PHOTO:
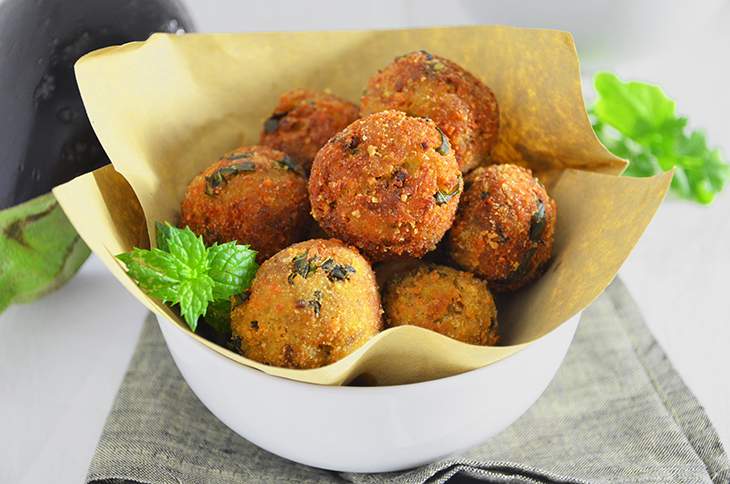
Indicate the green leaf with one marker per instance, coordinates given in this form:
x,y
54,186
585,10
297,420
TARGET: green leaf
x,y
219,316
158,273
163,235
232,268
187,248
633,108
182,271
637,121
194,296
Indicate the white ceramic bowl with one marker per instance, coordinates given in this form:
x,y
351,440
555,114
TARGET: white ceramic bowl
x,y
368,429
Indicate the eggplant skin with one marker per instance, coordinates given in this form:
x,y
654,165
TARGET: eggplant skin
x,y
45,136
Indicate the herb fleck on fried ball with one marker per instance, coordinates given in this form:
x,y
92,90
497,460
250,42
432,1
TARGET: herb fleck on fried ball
x,y
304,120
442,299
388,184
504,227
310,305
255,195
427,85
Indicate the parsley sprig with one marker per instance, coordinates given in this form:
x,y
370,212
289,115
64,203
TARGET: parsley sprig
x,y
183,271
638,122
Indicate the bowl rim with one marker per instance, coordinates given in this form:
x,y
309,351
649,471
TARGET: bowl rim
x,y
452,379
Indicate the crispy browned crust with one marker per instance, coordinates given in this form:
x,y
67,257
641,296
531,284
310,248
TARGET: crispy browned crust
x,y
427,85
499,232
266,207
304,120
305,312
375,185
451,302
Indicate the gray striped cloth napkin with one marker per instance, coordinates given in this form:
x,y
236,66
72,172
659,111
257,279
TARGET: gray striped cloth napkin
x,y
616,412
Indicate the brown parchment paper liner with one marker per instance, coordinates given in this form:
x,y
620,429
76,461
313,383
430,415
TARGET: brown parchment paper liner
x,y
166,108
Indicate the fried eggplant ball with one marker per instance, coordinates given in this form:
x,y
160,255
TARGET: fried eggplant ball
x,y
255,195
387,270
304,120
423,84
310,305
388,184
451,302
504,227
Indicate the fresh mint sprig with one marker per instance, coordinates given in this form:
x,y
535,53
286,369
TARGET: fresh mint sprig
x,y
183,271
638,122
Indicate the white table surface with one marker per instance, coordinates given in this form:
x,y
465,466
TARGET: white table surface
x,y
62,358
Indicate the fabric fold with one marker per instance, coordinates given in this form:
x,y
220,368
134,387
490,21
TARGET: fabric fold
x,y
616,412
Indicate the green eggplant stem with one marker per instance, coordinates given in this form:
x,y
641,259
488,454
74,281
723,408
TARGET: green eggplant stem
x,y
39,250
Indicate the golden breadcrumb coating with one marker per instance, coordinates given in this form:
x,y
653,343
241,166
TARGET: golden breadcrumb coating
x,y
303,121
388,184
423,84
255,195
451,302
310,305
504,227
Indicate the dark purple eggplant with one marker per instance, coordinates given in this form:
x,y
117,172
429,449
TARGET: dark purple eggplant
x,y
45,136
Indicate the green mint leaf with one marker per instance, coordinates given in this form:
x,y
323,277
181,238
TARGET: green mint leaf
x,y
163,234
182,271
218,316
187,248
155,271
232,268
194,296
637,121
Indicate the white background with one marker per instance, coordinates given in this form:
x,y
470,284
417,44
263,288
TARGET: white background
x,y
63,358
